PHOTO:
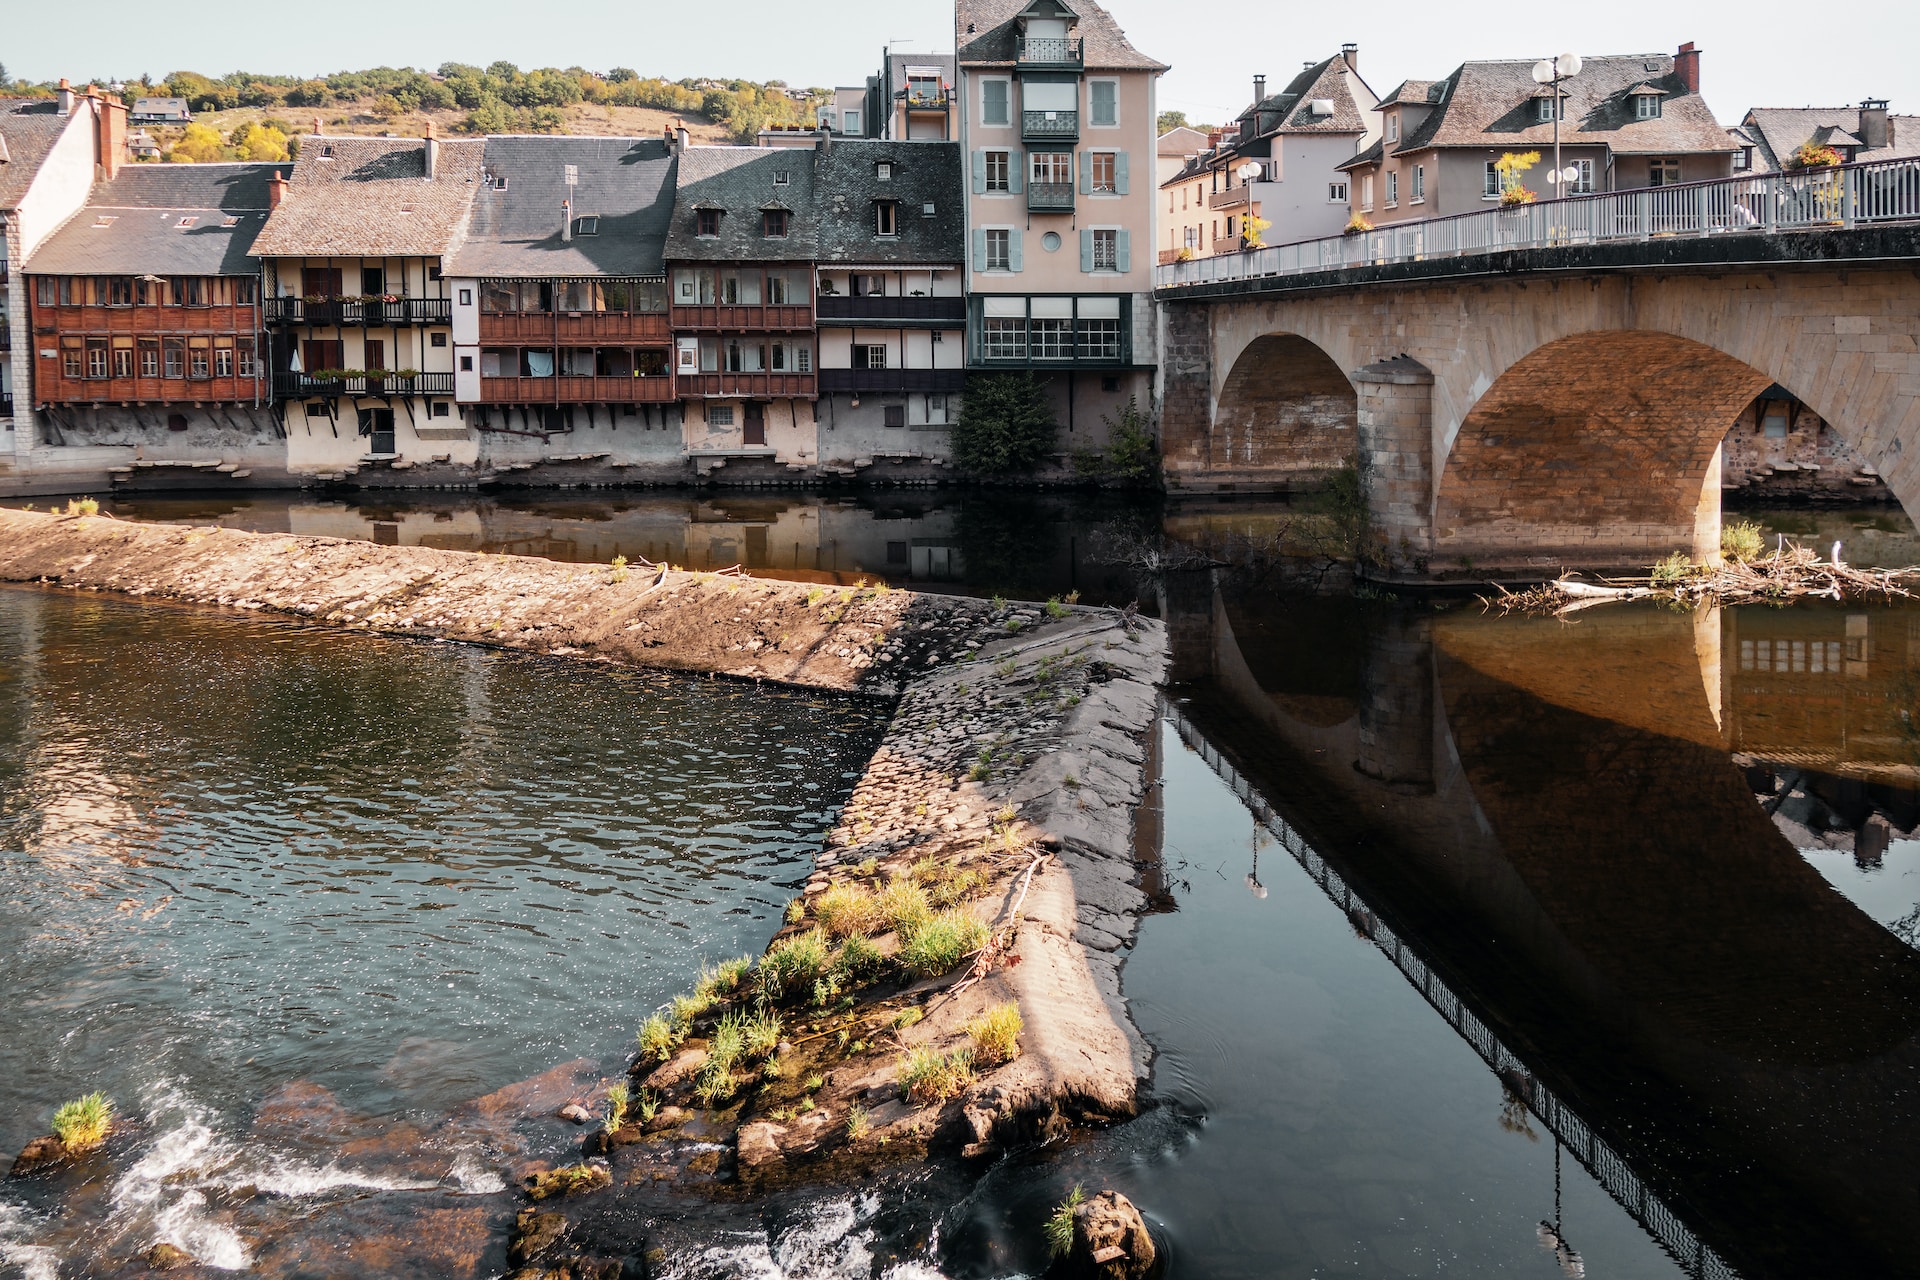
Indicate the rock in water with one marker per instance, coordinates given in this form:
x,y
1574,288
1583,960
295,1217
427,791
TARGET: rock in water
x,y
1110,1239
165,1257
575,1112
39,1154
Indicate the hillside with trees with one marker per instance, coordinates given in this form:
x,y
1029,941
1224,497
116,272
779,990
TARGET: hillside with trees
x,y
244,116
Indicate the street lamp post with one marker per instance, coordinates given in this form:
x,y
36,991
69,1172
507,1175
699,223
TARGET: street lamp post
x,y
1551,71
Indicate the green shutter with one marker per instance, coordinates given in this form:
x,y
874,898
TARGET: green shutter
x,y
979,250
1086,250
979,172
1086,172
1120,172
1013,249
1016,171
1122,257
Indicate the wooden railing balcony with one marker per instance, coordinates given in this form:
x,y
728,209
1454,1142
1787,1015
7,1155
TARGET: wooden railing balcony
x,y
57,388
301,386
356,312
872,309
877,381
1050,51
569,328
759,385
239,319
759,318
567,389
1050,126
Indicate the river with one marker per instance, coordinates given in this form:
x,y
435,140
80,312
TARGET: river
x,y
1482,945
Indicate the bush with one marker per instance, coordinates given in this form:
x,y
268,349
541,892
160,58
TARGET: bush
x,y
939,943
859,961
928,1077
1673,570
1130,458
996,1033
847,909
84,1122
1742,540
1006,424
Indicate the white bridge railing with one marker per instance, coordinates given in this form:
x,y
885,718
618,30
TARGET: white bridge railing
x,y
1844,196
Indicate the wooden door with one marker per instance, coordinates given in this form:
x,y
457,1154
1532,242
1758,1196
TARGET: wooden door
x,y
755,431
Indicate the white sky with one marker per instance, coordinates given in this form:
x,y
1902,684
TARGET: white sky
x,y
1764,53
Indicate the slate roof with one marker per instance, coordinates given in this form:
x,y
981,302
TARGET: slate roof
x,y
626,182
1778,131
1411,91
132,224
742,182
29,127
1490,104
169,108
924,173
984,35
1288,111
1182,141
354,196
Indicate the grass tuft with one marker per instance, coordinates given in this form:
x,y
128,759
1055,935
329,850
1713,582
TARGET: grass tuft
x,y
1054,608
996,1033
658,1038
84,1122
846,909
1060,1223
1742,540
616,1107
858,1122
791,968
927,1077
83,506
935,945
907,1017
858,961
903,905
1673,570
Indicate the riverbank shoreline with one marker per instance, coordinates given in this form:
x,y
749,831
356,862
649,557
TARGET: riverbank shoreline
x,y
1011,785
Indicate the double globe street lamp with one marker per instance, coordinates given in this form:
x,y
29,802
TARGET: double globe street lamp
x,y
1552,71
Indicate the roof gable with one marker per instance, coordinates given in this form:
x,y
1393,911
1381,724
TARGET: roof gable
x,y
985,31
351,196
513,225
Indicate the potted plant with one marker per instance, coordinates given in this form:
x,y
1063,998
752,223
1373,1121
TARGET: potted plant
x,y
1813,155
1357,225
1510,165
1252,228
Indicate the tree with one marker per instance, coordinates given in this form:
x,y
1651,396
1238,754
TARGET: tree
x,y
199,144
620,75
1170,120
1006,424
490,115
260,142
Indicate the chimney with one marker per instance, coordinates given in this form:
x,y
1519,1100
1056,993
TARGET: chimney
x,y
109,133
431,152
64,98
316,126
276,189
1874,131
566,219
1259,90
681,138
1351,52
1686,65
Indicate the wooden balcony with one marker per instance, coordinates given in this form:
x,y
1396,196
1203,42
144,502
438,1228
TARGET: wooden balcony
x,y
57,388
880,381
576,328
839,309
573,390
751,386
744,319
355,313
233,319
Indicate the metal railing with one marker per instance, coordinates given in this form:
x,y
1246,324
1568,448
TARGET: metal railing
x,y
1050,197
300,385
870,307
1608,1167
1056,51
358,311
1050,124
1845,196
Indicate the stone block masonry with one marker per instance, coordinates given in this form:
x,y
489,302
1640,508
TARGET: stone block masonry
x,y
1006,787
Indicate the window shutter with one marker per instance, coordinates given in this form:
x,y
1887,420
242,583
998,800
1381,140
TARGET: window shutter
x,y
1086,172
1122,256
1086,250
1013,249
979,172
1016,170
979,250
1120,172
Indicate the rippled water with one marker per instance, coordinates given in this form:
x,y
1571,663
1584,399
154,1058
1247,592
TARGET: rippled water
x,y
236,854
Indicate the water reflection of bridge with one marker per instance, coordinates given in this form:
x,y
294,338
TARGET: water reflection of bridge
x,y
1543,828
1607,1166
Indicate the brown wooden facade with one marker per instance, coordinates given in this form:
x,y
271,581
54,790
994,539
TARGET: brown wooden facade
x,y
567,389
133,340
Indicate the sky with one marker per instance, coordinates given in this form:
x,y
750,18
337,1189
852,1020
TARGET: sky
x,y
1762,53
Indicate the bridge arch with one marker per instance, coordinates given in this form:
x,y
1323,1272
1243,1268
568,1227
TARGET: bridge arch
x,y
1285,414
1601,447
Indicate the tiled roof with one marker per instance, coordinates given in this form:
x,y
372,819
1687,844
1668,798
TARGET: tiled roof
x,y
354,196
742,182
1411,91
1182,141
164,220
1778,132
1372,155
1490,104
515,230
846,187
29,127
984,35
1288,111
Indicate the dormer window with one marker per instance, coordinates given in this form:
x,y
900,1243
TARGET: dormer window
x,y
186,222
1393,126
1646,106
773,223
706,222
883,171
1544,108
587,226
779,177
886,218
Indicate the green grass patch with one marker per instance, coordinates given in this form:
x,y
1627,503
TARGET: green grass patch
x,y
1060,1223
927,1077
791,968
84,1122
938,943
996,1033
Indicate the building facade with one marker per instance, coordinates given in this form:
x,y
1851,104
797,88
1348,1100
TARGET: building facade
x,y
912,98
1056,110
1624,122
1767,137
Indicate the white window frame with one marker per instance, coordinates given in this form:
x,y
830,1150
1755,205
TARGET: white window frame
x,y
1417,185
1490,182
886,219
1582,185
1112,157
1006,171
1366,193
1393,188
1545,109
1646,106
1011,109
1053,161
1112,235
1006,254
1393,126
1337,192
1115,82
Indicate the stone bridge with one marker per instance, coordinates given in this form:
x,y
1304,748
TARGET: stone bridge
x,y
1526,409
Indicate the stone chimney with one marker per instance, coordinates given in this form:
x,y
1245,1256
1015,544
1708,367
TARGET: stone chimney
x,y
1351,53
316,126
1874,129
1259,90
276,189
109,133
430,153
64,98
678,138
566,219
1686,65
